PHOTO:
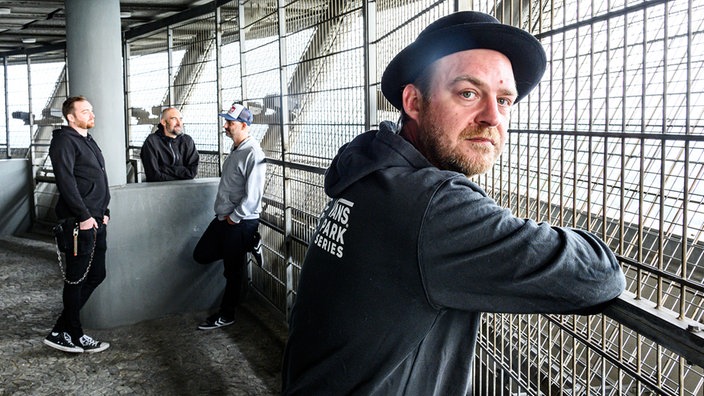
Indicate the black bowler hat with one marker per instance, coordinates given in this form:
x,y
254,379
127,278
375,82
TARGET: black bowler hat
x,y
462,31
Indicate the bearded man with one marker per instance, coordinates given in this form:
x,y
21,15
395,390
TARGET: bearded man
x,y
169,153
409,252
82,208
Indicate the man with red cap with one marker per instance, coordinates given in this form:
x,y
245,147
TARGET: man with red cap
x,y
409,252
233,231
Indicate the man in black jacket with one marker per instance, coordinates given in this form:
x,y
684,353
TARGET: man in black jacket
x,y
409,251
82,207
168,153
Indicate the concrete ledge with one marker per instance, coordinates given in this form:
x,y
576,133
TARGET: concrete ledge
x,y
150,270
16,196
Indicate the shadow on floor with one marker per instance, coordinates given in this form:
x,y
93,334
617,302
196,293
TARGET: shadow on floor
x,y
167,356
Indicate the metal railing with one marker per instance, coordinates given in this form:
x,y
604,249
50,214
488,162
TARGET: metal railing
x,y
611,141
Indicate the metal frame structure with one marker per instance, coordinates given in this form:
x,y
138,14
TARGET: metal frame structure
x,y
611,141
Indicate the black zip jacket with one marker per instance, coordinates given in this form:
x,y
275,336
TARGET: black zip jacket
x,y
79,168
165,158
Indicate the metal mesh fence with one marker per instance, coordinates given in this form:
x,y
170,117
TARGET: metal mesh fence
x,y
611,141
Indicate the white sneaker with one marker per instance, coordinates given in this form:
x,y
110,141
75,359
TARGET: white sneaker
x,y
90,345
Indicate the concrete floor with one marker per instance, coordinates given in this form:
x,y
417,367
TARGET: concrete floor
x,y
167,356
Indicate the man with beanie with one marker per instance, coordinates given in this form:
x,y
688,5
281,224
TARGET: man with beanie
x,y
233,231
409,252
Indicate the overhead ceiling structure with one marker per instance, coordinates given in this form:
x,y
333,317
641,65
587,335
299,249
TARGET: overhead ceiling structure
x,y
39,27
29,26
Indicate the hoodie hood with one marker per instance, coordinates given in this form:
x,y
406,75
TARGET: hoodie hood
x,y
370,152
63,130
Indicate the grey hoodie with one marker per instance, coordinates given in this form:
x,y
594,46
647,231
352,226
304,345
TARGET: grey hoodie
x,y
241,185
403,261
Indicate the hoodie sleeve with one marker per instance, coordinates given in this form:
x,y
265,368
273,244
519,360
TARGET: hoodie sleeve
x,y
150,161
254,170
63,158
475,255
190,157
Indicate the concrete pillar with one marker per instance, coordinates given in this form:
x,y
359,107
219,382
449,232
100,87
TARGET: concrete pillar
x,y
94,48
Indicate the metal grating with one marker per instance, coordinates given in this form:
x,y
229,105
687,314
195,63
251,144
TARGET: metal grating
x,y
610,141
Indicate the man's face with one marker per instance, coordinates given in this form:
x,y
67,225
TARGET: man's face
x,y
82,116
233,129
172,122
463,124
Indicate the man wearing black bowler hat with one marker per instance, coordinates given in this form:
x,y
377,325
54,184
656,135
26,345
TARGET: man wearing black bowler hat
x,y
409,251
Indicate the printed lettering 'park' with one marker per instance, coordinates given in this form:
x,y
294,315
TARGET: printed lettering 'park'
x,y
330,235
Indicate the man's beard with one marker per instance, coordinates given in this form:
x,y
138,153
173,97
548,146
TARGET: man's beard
x,y
449,156
85,124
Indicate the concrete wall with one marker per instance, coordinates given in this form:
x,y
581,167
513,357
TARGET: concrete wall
x,y
150,270
16,196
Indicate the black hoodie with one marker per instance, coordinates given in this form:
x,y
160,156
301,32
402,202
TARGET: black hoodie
x,y
402,263
79,168
165,158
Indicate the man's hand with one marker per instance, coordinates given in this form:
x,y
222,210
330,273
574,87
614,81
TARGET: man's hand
x,y
88,224
229,220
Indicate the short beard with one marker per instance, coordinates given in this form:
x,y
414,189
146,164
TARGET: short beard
x,y
85,124
446,156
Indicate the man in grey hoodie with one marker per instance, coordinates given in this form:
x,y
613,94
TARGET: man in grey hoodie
x,y
409,251
233,231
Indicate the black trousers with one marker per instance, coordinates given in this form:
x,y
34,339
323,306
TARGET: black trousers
x,y
75,296
229,243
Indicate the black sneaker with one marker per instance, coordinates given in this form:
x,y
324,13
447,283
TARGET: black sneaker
x,y
62,341
90,345
257,249
215,321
